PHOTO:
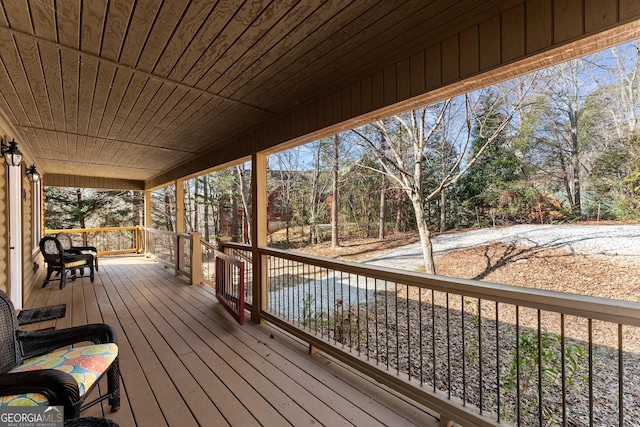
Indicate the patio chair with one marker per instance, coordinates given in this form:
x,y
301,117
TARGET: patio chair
x,y
59,261
67,244
34,371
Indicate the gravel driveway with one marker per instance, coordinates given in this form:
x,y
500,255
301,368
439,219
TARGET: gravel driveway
x,y
618,240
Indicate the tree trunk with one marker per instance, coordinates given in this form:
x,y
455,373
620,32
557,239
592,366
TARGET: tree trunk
x,y
167,210
245,205
205,195
335,243
83,223
383,204
195,226
575,165
425,236
443,211
315,185
234,217
400,198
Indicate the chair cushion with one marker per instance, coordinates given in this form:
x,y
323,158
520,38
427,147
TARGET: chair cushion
x,y
70,264
85,364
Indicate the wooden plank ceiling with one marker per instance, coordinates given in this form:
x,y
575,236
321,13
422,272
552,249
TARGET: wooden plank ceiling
x,y
129,89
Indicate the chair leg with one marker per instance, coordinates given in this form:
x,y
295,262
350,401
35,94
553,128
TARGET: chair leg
x,y
46,280
113,385
63,279
91,274
96,261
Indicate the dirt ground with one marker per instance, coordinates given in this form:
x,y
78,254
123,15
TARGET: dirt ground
x,y
555,269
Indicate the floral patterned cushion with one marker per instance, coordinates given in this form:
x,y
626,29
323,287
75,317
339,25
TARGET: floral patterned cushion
x,y
85,364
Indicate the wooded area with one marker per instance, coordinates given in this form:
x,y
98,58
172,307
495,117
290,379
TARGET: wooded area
x,y
560,145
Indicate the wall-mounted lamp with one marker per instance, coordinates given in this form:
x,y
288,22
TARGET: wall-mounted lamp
x,y
12,156
32,174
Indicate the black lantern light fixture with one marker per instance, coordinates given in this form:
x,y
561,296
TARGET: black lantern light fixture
x,y
11,153
32,174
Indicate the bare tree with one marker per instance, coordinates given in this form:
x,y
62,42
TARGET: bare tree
x,y
335,241
245,197
317,191
412,142
565,122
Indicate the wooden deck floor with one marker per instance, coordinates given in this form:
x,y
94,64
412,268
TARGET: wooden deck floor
x,y
185,362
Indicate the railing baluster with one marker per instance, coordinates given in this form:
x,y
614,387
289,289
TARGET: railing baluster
x,y
328,297
518,405
397,322
386,319
563,369
464,351
590,372
480,376
408,334
299,287
620,378
375,310
433,337
448,350
421,351
498,385
366,310
540,367
358,318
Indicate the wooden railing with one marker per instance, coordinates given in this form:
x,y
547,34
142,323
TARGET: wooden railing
x,y
108,240
477,353
171,248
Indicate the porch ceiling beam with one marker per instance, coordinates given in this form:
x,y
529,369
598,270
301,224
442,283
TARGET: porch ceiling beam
x,y
74,181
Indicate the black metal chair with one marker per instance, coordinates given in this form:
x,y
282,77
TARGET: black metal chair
x,y
67,245
59,261
70,374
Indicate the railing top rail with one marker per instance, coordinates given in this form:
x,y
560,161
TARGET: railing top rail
x,y
207,244
156,231
230,259
236,245
615,311
90,230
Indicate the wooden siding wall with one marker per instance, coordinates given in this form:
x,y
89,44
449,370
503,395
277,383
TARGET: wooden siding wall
x,y
4,229
7,133
31,275
53,180
524,36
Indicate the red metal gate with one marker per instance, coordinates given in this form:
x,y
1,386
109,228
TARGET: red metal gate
x,y
230,284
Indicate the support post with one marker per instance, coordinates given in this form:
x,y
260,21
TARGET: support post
x,y
179,245
147,221
258,233
196,258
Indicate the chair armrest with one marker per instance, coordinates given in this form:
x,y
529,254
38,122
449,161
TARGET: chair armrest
x,y
36,343
58,387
